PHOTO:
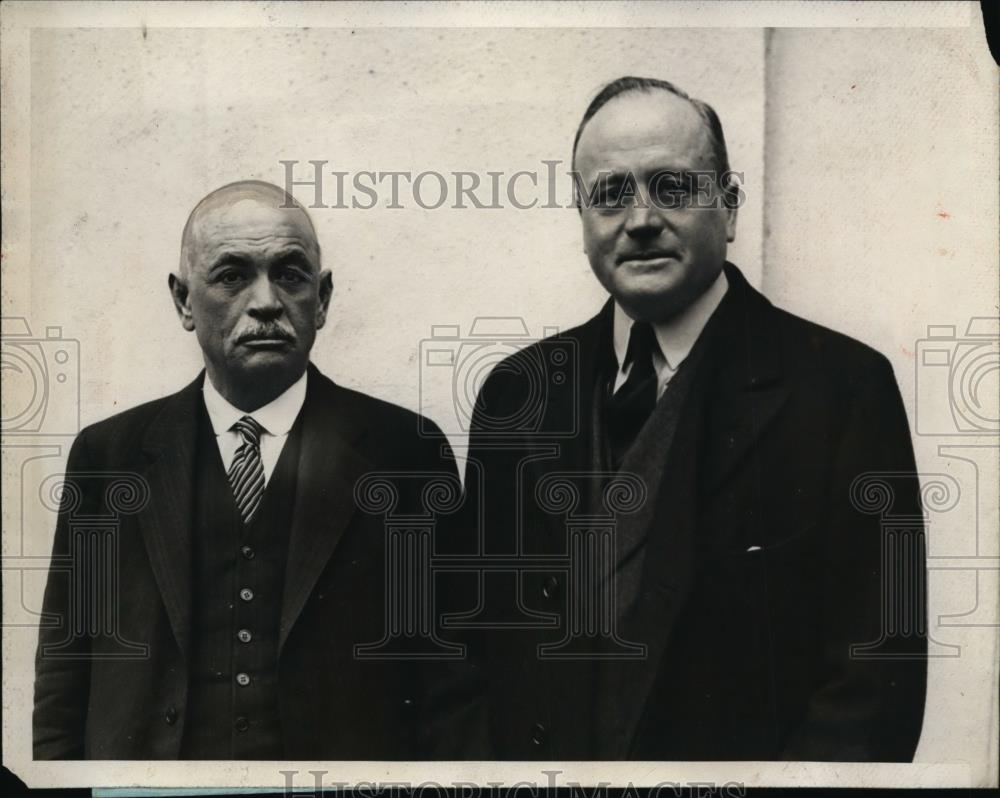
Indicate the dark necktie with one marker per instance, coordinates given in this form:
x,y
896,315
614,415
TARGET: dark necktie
x,y
246,473
634,401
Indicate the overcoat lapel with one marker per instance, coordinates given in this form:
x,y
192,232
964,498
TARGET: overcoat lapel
x,y
747,390
169,447
568,684
329,467
736,396
668,570
574,400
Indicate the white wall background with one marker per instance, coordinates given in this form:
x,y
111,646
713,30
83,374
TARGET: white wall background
x,y
881,219
875,150
130,131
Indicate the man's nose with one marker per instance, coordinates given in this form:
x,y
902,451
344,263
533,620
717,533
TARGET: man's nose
x,y
643,219
264,301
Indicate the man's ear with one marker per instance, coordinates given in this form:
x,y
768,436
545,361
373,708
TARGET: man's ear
x,y
732,197
730,224
179,292
325,292
579,212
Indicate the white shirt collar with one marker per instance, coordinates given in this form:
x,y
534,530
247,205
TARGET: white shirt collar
x,y
276,417
677,336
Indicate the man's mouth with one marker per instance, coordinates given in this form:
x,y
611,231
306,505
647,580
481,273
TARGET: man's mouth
x,y
648,256
266,340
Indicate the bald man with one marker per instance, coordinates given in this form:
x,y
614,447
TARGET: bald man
x,y
238,582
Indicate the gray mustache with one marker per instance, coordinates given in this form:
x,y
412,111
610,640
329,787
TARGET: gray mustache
x,y
266,331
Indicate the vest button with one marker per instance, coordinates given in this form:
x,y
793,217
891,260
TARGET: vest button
x,y
170,716
244,635
550,587
538,734
241,724
247,552
246,594
242,679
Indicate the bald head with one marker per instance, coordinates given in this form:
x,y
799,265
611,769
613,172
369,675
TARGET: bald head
x,y
251,288
252,203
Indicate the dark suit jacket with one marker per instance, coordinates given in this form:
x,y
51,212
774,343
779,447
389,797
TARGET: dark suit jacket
x,y
90,702
760,572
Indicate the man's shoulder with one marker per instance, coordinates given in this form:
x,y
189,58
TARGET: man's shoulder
x,y
122,433
373,408
546,358
134,418
387,419
804,346
810,346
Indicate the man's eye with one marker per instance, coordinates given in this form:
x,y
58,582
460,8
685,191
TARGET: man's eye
x,y
290,276
672,192
610,198
668,186
230,277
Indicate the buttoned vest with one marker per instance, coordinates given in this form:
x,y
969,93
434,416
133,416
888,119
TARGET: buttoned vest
x,y
239,576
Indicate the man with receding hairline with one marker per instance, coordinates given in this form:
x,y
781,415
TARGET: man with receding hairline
x,y
747,608
248,578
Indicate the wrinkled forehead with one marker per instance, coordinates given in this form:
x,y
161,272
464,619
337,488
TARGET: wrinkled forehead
x,y
253,224
640,128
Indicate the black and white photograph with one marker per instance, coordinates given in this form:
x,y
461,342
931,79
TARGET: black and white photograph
x,y
408,396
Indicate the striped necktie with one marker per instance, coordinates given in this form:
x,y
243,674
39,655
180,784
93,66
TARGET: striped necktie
x,y
246,474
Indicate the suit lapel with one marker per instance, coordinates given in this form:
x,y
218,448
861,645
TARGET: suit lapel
x,y
329,466
165,522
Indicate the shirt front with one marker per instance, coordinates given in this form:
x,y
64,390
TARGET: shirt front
x,y
276,417
675,337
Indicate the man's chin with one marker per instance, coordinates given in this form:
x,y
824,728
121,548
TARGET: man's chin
x,y
651,300
270,364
